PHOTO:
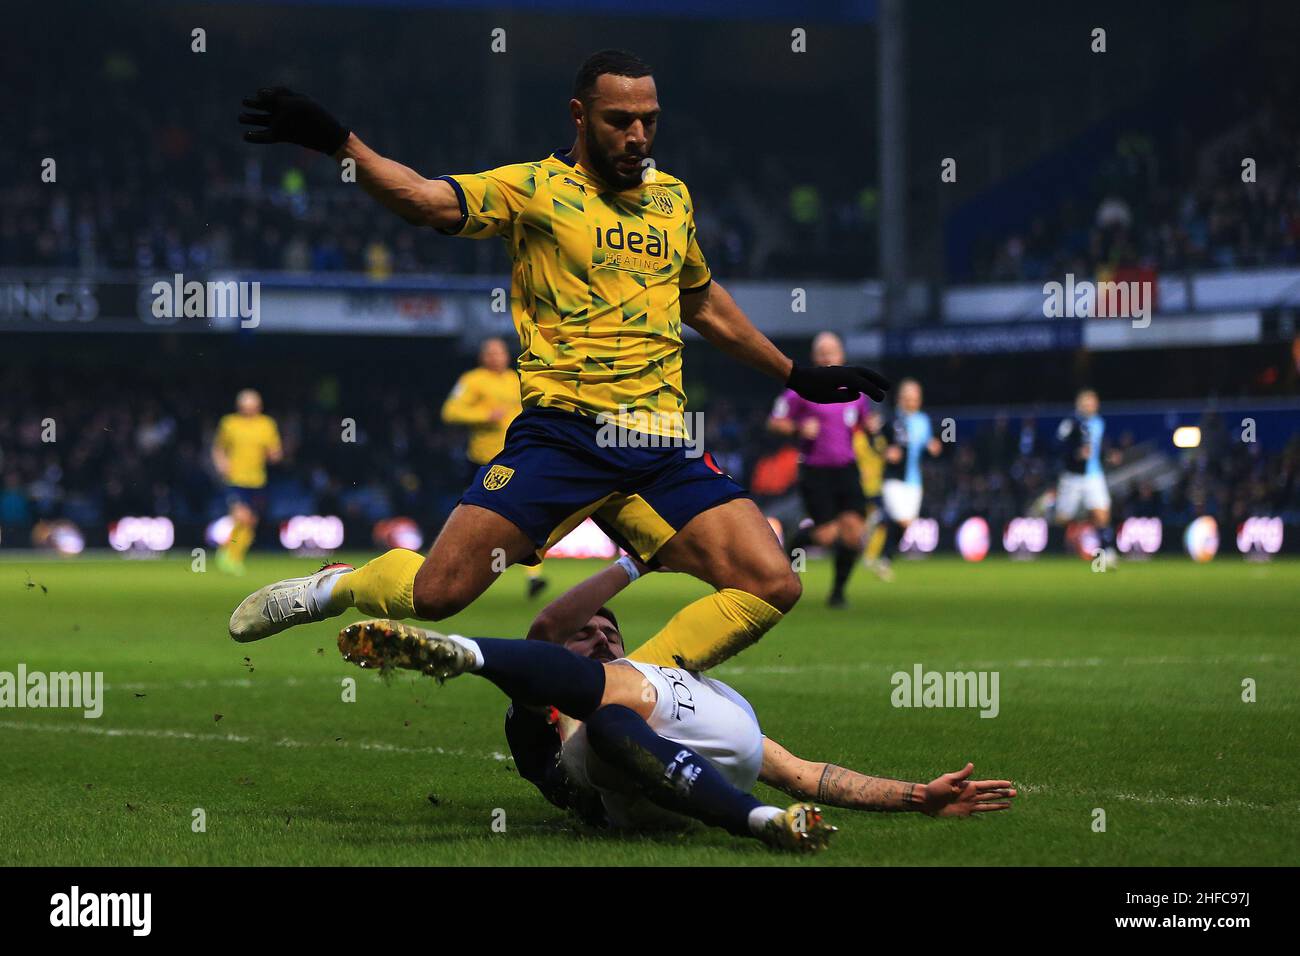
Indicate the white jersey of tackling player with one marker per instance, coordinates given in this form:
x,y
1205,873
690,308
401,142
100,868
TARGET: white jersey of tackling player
x,y
693,710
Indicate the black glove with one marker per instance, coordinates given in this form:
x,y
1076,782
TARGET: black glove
x,y
835,384
290,117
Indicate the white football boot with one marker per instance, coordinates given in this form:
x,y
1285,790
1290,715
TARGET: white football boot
x,y
282,605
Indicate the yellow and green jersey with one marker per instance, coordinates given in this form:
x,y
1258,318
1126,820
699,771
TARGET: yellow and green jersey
x,y
870,453
595,284
247,440
486,402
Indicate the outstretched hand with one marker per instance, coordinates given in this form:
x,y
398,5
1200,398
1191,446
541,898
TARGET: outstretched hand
x,y
836,384
289,117
956,795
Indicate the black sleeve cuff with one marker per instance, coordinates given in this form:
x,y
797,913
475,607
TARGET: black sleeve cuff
x,y
464,209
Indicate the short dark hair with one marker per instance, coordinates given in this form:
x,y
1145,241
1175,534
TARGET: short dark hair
x,y
616,62
605,612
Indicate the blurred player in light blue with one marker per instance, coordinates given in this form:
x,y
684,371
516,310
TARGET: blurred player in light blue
x,y
909,436
1082,485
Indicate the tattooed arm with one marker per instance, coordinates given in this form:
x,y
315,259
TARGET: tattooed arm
x,y
951,795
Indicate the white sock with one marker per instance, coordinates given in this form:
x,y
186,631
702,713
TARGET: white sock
x,y
759,816
322,590
472,647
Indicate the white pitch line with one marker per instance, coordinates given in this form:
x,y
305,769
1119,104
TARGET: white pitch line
x,y
740,669
168,734
1020,663
236,682
1157,799
1154,799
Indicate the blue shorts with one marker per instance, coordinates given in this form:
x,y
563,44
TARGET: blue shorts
x,y
254,498
553,473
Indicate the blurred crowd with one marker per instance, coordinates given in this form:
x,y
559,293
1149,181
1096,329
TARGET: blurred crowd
x,y
86,450
1172,203
1011,465
156,178
173,188
92,454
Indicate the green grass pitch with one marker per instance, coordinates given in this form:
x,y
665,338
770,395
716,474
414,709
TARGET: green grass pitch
x,y
1120,691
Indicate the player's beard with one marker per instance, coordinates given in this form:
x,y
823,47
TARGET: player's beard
x,y
602,164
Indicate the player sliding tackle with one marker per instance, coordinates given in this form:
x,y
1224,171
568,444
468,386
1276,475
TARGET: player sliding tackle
x,y
654,743
606,270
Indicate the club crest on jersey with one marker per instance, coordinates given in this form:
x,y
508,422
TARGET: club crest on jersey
x,y
663,200
498,476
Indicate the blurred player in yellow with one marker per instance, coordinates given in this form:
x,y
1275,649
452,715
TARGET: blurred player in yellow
x,y
243,445
869,444
486,400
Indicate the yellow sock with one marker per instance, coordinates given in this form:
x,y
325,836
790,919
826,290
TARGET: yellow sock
x,y
241,539
382,587
876,543
709,631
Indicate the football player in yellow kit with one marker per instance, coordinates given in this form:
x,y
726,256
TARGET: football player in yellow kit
x,y
606,270
485,400
244,442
